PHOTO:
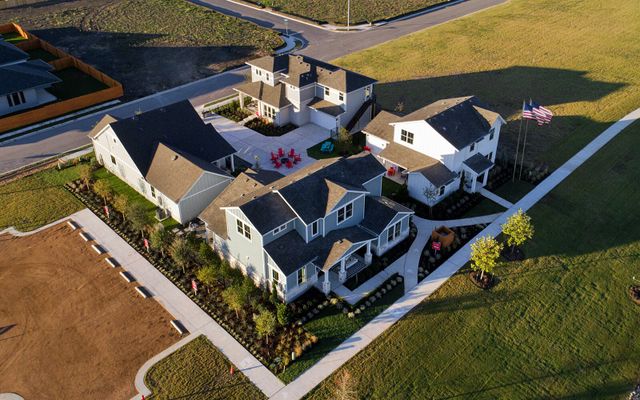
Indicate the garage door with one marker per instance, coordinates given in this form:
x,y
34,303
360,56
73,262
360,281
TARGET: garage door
x,y
324,120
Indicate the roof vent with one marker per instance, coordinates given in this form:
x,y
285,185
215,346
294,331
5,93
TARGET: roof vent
x,y
175,157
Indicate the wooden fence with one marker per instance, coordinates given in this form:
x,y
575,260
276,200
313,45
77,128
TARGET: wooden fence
x,y
64,60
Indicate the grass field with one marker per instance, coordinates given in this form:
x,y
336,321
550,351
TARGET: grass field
x,y
585,74
559,325
74,83
335,11
151,45
198,371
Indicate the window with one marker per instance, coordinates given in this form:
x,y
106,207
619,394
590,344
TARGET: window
x,y
268,76
302,275
268,111
406,136
490,155
15,99
441,190
275,276
491,133
472,147
258,72
113,160
341,96
345,213
367,92
142,186
243,229
394,232
153,191
280,229
327,91
315,228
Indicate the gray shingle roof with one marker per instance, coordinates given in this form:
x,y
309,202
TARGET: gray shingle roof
x,y
272,95
326,107
177,125
379,125
26,75
458,120
268,212
291,252
414,161
478,163
380,211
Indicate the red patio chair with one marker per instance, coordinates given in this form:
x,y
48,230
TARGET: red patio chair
x,y
280,152
274,157
297,158
391,171
292,153
277,164
289,164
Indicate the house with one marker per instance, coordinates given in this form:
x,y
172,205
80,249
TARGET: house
x,y
23,82
316,227
436,147
169,155
299,90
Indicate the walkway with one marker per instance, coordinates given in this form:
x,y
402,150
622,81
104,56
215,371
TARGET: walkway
x,y
350,347
323,45
177,304
495,198
251,144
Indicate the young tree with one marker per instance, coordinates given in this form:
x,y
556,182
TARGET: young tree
x,y
206,255
138,217
431,193
235,298
282,312
344,139
484,254
345,388
103,189
121,204
181,253
273,297
265,324
160,238
85,173
208,275
518,229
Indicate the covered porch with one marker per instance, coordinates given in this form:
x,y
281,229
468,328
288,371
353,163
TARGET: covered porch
x,y
347,267
267,102
476,171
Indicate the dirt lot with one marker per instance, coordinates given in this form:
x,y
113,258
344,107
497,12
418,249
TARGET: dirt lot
x,y
147,45
70,327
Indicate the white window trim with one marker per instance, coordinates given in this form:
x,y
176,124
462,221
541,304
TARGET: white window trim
x,y
245,227
338,222
302,270
280,228
410,137
317,224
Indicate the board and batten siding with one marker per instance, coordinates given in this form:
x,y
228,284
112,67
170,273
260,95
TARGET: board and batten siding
x,y
381,245
201,194
374,186
331,220
248,253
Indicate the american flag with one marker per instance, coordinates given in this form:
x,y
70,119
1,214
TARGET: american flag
x,y
542,115
527,111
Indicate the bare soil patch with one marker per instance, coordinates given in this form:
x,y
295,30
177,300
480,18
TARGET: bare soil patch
x,y
70,327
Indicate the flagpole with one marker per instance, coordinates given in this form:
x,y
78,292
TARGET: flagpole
x,y
515,159
524,145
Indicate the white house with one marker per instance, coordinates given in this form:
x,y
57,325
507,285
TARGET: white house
x,y
316,227
23,82
437,146
169,155
299,90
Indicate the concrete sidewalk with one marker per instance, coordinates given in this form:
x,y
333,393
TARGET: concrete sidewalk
x,y
495,198
350,347
177,304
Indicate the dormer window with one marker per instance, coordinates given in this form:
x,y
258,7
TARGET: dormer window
x,y
406,136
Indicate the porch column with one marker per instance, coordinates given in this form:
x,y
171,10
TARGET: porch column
x,y
342,275
368,257
233,166
473,184
486,178
241,99
326,285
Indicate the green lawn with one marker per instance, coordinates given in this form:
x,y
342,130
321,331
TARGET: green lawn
x,y
37,200
335,11
514,191
332,327
390,187
198,371
74,83
358,141
556,52
559,325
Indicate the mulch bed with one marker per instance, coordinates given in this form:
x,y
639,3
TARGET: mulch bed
x,y
512,254
634,292
486,282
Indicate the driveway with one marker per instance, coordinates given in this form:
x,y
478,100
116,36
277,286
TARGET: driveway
x,y
251,144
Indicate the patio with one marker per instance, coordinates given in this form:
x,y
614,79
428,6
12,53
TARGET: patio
x,y
253,146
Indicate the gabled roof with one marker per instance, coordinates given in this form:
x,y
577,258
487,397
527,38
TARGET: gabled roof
x,y
326,107
413,161
478,163
458,120
25,75
272,95
303,70
290,252
173,173
245,183
103,123
10,53
178,126
267,212
380,211
380,125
